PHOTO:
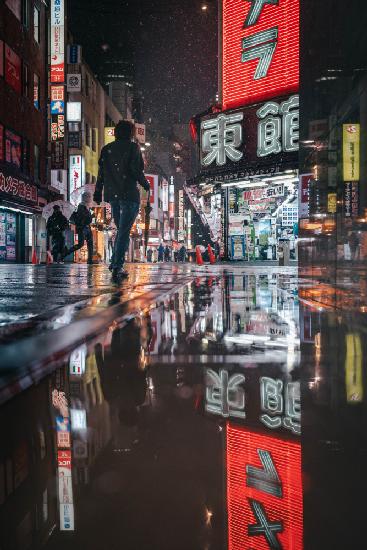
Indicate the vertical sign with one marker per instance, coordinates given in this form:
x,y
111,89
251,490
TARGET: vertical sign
x,y
351,152
303,195
75,172
153,182
260,50
264,492
57,41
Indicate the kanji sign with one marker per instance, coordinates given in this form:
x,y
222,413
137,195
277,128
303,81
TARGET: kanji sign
x,y
263,132
16,187
260,50
225,394
351,152
57,41
264,492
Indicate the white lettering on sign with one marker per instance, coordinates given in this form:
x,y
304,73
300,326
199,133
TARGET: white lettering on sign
x,y
278,129
221,138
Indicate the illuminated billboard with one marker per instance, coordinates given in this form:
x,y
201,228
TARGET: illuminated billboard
x,y
264,492
57,41
260,50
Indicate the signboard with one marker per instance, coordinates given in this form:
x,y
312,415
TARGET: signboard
x,y
77,361
260,50
74,83
16,187
57,127
153,182
74,54
13,69
57,107
303,195
351,152
57,155
74,111
74,140
266,132
58,93
264,491
75,172
238,247
57,41
332,203
165,195
63,432
351,199
109,135
65,491
140,133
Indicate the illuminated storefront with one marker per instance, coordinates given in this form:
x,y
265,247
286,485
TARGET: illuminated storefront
x,y
249,145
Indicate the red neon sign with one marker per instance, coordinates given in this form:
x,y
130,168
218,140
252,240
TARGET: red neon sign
x,y
264,492
260,50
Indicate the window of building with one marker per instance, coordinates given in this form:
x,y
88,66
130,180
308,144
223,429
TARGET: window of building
x,y
87,134
36,91
94,139
36,24
37,163
25,80
13,149
25,13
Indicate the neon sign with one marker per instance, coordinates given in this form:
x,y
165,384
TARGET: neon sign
x,y
260,50
264,492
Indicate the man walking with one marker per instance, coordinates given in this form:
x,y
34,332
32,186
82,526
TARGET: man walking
x,y
121,167
56,225
82,218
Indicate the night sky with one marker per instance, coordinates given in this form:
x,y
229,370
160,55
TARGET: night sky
x,y
171,43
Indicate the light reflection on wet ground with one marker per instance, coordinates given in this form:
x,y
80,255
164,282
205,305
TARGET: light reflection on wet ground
x,y
182,429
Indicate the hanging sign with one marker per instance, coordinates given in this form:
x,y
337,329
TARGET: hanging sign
x,y
351,152
57,41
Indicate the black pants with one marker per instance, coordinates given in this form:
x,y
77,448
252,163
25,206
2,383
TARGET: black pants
x,y
58,246
84,234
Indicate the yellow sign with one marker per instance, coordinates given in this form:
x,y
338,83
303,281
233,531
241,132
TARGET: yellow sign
x,y
331,203
351,147
109,135
354,368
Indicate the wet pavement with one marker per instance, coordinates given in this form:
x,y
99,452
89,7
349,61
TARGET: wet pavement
x,y
176,423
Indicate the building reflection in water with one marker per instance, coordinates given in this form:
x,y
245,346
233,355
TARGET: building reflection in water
x,y
200,394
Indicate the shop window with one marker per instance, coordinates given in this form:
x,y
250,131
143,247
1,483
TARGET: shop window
x,y
25,80
13,149
36,24
36,172
2,154
13,69
8,234
94,139
36,91
25,13
87,134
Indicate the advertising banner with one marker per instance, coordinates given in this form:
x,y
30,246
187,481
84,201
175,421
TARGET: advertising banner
x,y
57,127
238,247
260,50
13,69
57,41
153,182
16,187
75,172
351,152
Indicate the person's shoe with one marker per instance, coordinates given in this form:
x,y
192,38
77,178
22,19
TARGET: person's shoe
x,y
119,274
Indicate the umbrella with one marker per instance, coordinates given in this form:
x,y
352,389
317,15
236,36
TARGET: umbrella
x,y
66,208
76,196
148,210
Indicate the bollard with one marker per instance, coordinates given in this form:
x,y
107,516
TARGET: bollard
x,y
34,257
199,258
211,255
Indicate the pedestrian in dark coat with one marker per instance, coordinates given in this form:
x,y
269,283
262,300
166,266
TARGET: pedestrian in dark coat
x,y
160,253
56,225
82,218
149,255
167,254
121,168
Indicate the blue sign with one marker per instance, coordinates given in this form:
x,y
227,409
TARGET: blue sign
x,y
74,54
57,107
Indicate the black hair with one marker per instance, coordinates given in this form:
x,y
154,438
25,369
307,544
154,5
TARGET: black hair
x,y
124,129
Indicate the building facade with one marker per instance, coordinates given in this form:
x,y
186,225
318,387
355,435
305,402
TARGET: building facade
x,y
23,129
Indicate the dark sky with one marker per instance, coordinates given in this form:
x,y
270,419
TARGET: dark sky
x,y
172,43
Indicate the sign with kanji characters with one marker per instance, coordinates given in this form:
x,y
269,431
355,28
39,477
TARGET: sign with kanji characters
x,y
260,50
265,133
17,187
264,492
63,432
57,155
351,199
57,127
57,41
351,152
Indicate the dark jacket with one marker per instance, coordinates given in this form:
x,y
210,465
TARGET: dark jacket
x,y
81,217
121,167
56,224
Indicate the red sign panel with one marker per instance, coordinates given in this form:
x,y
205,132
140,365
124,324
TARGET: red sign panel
x,y
18,188
264,492
13,69
260,50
